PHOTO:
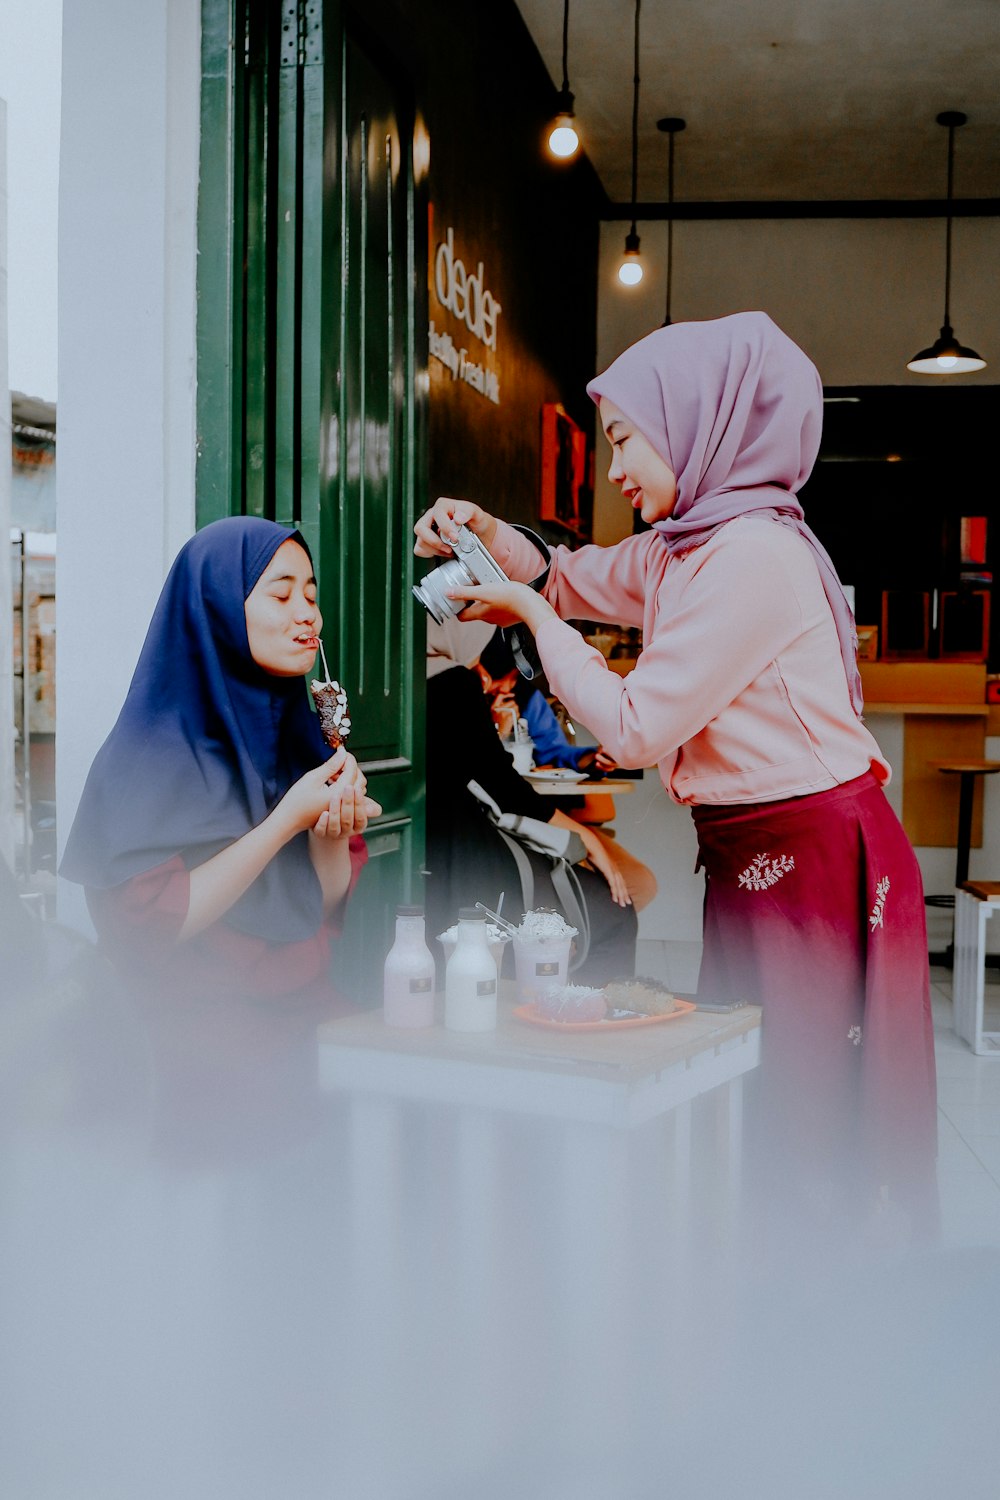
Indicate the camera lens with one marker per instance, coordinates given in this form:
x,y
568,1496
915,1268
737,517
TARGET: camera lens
x,y
433,591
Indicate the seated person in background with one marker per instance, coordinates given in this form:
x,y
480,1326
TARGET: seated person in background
x,y
512,695
217,837
467,856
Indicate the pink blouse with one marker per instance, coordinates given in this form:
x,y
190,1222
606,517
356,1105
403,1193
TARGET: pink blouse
x,y
739,694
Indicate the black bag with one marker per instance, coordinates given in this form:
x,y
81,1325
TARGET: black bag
x,y
561,847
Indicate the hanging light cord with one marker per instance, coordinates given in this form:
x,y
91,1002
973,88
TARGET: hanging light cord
x,y
565,82
670,224
635,118
947,233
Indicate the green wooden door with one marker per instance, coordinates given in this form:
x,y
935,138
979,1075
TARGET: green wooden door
x,y
312,277
372,458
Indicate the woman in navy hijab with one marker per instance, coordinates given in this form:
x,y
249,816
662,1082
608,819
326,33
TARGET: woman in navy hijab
x,y
216,836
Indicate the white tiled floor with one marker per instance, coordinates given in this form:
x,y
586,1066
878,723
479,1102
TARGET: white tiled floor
x,y
968,1125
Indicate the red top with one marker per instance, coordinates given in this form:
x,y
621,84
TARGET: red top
x,y
139,921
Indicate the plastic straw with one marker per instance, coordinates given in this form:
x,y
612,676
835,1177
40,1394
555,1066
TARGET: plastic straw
x,y
502,921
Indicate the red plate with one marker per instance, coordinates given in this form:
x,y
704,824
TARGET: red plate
x,y
530,1014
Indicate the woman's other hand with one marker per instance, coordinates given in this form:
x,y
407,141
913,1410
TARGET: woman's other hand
x,y
438,527
334,794
349,808
350,811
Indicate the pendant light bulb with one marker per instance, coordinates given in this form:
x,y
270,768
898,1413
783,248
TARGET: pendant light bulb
x,y
946,356
564,140
630,270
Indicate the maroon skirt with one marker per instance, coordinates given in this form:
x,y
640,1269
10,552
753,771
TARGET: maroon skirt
x,y
814,910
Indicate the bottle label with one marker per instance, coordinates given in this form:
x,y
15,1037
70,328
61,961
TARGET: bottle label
x,y
421,986
547,968
486,987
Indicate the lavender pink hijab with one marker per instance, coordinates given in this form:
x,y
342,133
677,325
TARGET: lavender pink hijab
x,y
736,409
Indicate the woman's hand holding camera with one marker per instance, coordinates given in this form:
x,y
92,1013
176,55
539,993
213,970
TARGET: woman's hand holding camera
x,y
500,603
438,527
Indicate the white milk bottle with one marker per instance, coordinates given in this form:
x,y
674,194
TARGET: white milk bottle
x,y
409,973
470,980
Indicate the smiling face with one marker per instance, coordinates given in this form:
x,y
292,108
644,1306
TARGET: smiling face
x,y
644,478
283,618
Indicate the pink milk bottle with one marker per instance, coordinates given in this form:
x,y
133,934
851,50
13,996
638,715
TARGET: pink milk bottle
x,y
409,973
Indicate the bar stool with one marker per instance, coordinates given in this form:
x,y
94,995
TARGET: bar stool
x,y
966,771
975,903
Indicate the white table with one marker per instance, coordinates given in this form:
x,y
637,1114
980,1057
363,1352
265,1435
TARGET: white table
x,y
599,1142
621,1078
580,788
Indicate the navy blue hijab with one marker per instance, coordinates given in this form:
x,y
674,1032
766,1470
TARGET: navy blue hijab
x,y
206,743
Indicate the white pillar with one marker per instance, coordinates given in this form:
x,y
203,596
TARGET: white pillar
x,y
6,596
128,198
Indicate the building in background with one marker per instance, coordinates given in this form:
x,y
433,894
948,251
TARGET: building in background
x,y
33,463
33,637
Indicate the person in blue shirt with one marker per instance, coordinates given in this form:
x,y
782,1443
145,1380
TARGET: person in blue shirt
x,y
514,697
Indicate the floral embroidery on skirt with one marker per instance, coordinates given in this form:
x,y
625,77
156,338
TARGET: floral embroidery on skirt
x,y
878,910
763,871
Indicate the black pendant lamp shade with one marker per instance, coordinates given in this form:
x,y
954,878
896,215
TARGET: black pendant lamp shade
x,y
946,356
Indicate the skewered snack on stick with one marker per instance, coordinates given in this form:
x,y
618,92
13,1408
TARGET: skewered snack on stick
x,y
331,705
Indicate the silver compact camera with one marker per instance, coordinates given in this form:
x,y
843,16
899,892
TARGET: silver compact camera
x,y
470,564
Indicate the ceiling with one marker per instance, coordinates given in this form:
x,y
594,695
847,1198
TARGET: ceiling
x,y
784,99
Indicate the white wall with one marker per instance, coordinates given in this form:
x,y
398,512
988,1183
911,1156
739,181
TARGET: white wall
x,y
29,81
127,257
6,602
861,296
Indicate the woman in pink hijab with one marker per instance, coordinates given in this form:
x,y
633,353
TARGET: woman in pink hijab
x,y
747,698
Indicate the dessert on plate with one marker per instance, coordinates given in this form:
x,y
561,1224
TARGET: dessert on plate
x,y
571,1002
643,997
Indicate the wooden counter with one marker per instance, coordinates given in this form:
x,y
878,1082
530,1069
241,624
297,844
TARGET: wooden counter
x,y
941,710
920,682
945,716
